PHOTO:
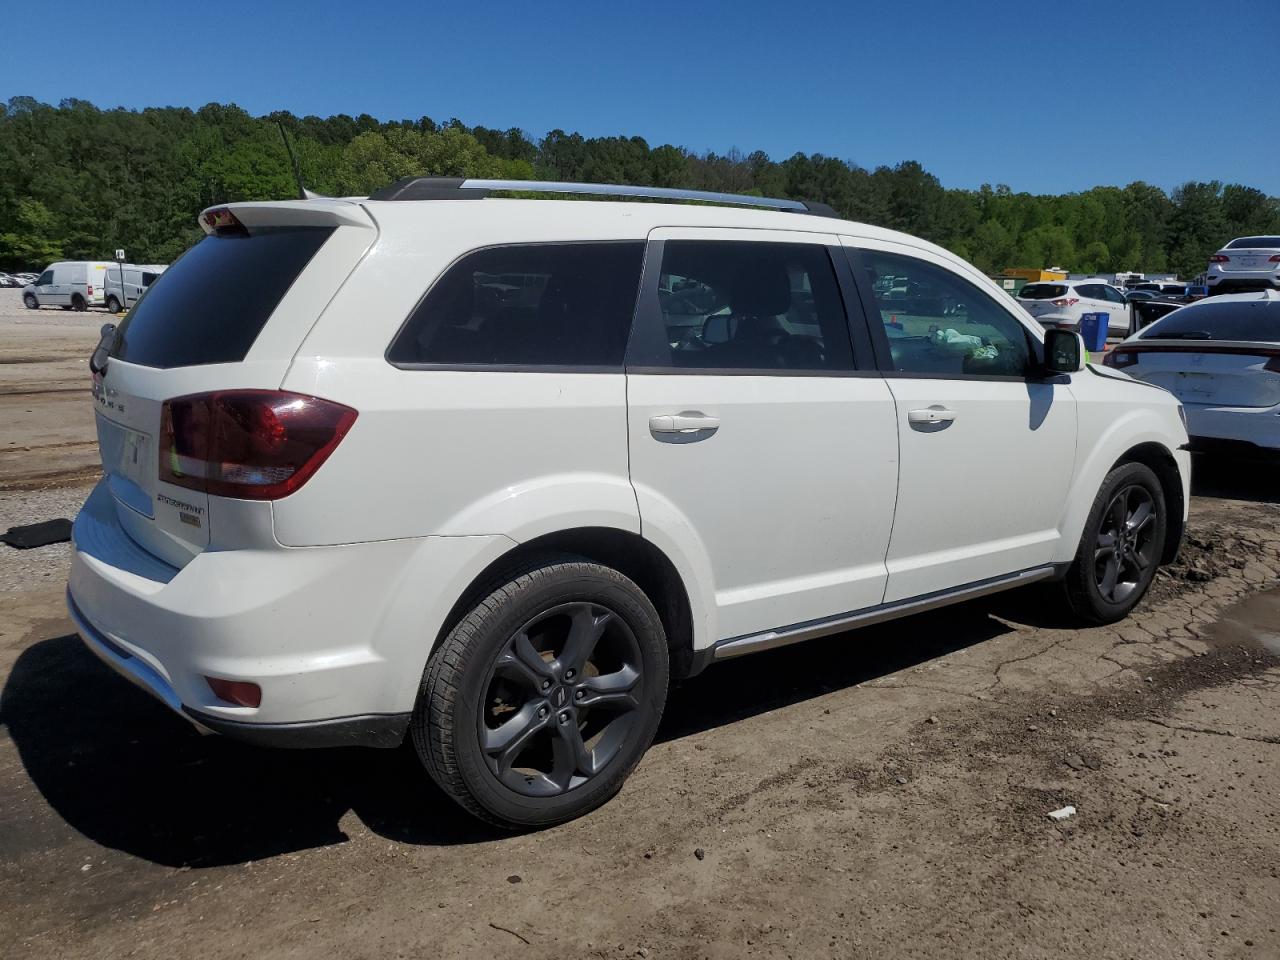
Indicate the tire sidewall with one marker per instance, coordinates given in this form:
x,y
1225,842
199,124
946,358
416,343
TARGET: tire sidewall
x,y
30,302
554,585
1085,588
113,305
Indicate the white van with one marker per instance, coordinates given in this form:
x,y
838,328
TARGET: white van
x,y
125,283
69,284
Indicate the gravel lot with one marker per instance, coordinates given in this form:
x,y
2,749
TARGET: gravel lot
x,y
880,794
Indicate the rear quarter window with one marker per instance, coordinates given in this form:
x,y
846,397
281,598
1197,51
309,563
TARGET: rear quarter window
x,y
213,302
527,305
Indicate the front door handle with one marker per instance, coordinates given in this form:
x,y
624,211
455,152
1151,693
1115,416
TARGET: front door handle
x,y
934,414
684,423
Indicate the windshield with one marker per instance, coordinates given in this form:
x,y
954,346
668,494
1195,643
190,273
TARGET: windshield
x,y
1258,321
1042,291
1253,243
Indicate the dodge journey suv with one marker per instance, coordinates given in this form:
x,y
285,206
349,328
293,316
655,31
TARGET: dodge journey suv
x,y
489,474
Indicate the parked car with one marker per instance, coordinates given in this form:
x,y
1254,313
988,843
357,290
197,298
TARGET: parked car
x,y
409,466
1132,295
1169,287
1062,303
72,285
1221,358
126,283
10,281
1246,263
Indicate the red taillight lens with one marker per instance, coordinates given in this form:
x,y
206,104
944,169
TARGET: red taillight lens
x,y
1066,301
1275,259
1120,358
240,692
251,444
1219,258
91,289
224,223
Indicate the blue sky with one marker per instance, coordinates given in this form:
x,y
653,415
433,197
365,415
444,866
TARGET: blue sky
x,y
1044,97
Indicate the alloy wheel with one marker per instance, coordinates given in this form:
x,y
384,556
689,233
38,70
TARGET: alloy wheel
x,y
1123,554
561,699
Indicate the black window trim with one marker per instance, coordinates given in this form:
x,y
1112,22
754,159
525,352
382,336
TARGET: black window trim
x,y
884,358
648,331
414,366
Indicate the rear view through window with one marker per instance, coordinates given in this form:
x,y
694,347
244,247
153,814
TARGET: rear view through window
x,y
546,305
213,302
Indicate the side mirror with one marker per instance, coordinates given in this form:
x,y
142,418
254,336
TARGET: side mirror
x,y
1064,351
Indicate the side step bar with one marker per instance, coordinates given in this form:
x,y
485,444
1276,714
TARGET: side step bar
x,y
782,636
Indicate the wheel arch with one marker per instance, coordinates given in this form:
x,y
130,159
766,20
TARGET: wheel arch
x,y
629,553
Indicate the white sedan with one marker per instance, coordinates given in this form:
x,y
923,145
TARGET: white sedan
x,y
1221,358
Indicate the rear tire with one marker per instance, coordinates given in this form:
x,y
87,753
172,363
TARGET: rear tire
x,y
30,302
78,304
1121,546
541,701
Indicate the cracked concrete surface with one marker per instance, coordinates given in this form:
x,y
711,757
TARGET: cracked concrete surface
x,y
879,794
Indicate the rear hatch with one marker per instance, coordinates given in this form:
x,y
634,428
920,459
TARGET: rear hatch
x,y
1040,299
228,315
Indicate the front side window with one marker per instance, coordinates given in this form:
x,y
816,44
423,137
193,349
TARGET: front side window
x,y
743,305
938,323
46,278
548,305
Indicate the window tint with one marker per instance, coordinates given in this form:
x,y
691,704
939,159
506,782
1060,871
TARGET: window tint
x,y
1254,243
1112,294
1259,320
45,278
554,304
1042,291
148,278
740,305
1091,290
216,298
939,323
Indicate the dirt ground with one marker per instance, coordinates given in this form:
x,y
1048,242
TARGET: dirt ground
x,y
881,794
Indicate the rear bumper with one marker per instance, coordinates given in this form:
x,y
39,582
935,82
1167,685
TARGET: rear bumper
x,y
1257,427
336,637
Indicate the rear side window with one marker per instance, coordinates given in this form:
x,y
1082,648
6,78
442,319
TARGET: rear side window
x,y
529,305
750,306
213,302
1042,291
1220,321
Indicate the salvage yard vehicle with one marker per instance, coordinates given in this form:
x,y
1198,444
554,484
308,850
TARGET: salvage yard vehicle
x,y
490,473
1246,263
1221,358
72,285
1062,303
126,283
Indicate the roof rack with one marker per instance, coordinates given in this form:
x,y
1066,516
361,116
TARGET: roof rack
x,y
459,188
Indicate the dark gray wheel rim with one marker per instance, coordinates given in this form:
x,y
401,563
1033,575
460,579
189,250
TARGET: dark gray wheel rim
x,y
562,699
1123,554
30,301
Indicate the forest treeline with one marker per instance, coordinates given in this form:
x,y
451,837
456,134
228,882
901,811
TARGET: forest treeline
x,y
76,182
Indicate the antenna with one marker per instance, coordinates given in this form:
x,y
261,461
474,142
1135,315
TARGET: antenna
x,y
303,192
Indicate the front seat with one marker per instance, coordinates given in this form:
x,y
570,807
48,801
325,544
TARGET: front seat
x,y
758,293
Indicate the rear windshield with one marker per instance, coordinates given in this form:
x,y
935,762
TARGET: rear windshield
x,y
1249,243
1042,291
211,305
1220,321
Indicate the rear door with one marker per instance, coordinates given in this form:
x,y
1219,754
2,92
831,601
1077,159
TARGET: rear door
x,y
987,449
206,327
755,440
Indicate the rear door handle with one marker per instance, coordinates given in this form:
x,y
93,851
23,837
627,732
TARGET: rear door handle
x,y
686,423
934,414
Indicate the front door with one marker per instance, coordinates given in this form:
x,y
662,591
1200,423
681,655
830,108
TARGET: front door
x,y
758,450
987,447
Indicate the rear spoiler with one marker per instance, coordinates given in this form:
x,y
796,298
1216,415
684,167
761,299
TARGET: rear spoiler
x,y
288,213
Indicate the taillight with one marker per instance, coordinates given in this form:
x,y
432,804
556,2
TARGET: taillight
x,y
1275,259
91,289
251,444
1120,358
1066,301
1219,258
223,223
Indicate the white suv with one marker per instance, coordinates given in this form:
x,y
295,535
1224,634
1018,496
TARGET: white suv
x,y
1061,303
492,472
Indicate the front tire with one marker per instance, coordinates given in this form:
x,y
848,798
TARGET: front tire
x,y
30,302
1121,546
541,701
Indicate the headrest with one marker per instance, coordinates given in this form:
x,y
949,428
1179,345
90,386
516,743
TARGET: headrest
x,y
760,289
